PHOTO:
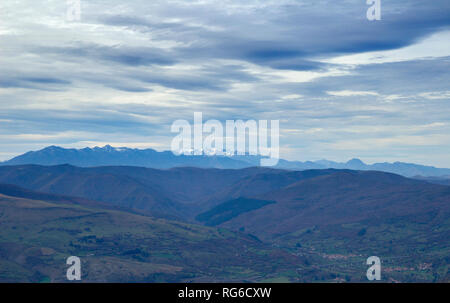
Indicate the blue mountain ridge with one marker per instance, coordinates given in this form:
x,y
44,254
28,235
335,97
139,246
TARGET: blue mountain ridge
x,y
123,156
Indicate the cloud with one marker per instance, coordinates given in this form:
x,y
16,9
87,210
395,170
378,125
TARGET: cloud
x,y
338,83
349,93
33,82
132,56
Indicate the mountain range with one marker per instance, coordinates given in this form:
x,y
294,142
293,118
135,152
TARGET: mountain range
x,y
311,219
112,156
206,224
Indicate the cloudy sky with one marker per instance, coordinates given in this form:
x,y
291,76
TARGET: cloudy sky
x,y
341,86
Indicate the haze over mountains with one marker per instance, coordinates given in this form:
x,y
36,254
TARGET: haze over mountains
x,y
111,156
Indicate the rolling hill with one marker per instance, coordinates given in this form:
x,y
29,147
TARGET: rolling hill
x,y
37,236
176,193
345,197
323,216
342,216
444,180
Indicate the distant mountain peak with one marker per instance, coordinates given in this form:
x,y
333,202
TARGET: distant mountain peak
x,y
108,148
356,161
53,147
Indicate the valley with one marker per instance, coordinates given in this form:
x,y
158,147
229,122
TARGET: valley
x,y
192,224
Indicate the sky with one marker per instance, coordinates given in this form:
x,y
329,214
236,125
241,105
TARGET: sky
x,y
341,86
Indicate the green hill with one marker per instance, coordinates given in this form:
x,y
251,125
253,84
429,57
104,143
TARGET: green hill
x,y
38,236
